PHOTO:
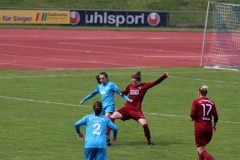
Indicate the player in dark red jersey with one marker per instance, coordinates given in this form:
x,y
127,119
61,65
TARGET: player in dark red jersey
x,y
201,113
136,91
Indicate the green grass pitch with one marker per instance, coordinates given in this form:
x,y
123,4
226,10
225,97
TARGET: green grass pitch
x,y
38,110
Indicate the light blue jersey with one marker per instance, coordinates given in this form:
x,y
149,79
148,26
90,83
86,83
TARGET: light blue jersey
x,y
96,130
107,94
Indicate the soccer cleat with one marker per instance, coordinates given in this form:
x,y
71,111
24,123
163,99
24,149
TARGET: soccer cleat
x,y
151,144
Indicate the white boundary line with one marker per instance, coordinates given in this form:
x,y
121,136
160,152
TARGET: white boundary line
x,y
75,75
46,102
74,105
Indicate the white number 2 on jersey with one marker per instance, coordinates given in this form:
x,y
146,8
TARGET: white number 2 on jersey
x,y
97,127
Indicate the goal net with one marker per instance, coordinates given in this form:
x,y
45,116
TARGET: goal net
x,y
225,46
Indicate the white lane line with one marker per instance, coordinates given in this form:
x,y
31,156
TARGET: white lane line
x,y
67,60
24,36
66,104
72,50
108,53
25,65
171,56
125,48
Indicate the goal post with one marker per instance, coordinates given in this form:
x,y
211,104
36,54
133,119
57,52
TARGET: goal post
x,y
224,51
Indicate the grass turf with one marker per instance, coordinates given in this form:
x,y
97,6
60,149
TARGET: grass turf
x,y
159,5
39,109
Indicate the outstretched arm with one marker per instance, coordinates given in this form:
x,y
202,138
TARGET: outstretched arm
x,y
96,91
126,97
126,91
159,80
117,90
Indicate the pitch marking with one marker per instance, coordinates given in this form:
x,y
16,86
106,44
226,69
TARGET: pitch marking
x,y
74,105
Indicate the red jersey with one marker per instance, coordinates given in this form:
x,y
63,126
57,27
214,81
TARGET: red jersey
x,y
202,111
137,93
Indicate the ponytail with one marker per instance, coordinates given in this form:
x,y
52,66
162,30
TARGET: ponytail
x,y
97,107
137,76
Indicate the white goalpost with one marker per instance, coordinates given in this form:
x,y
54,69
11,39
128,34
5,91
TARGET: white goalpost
x,y
225,45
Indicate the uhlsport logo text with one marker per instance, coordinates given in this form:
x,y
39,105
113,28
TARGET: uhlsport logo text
x,y
118,18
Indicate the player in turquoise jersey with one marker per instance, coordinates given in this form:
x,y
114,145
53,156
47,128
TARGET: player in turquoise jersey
x,y
95,140
106,90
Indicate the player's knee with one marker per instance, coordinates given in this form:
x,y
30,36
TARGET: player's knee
x,y
143,122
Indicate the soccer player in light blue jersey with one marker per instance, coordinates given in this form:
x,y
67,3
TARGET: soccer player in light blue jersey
x,y
95,140
106,90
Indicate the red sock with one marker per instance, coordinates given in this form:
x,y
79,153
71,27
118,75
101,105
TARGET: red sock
x,y
108,129
200,157
147,133
207,156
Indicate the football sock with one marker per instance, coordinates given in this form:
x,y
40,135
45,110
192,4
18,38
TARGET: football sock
x,y
108,129
108,135
147,133
207,156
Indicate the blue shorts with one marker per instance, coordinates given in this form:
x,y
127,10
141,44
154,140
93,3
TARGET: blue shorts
x,y
97,153
110,109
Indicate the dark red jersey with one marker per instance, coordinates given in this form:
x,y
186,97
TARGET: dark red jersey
x,y
137,93
202,111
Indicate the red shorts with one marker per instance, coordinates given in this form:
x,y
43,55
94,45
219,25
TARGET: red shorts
x,y
131,113
202,138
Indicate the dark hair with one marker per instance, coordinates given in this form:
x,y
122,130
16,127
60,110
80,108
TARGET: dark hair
x,y
97,107
102,73
137,76
203,90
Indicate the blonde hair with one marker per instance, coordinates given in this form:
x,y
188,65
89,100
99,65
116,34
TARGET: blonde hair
x,y
203,90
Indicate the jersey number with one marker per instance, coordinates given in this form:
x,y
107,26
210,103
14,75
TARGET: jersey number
x,y
97,127
206,110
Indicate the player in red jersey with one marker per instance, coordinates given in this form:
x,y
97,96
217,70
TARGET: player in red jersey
x,y
136,91
201,113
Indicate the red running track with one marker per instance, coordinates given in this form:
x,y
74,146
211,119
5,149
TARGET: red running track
x,y
35,49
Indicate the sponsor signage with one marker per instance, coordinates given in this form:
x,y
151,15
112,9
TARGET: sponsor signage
x,y
118,18
34,17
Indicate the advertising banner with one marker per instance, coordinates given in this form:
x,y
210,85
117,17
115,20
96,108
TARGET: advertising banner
x,y
34,17
119,18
